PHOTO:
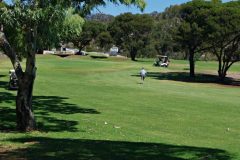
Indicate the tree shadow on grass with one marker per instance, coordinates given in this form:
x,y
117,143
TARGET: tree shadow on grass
x,y
199,78
79,149
7,114
44,109
2,83
8,120
57,104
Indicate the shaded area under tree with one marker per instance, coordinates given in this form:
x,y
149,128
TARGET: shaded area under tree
x,y
53,148
44,106
199,78
2,83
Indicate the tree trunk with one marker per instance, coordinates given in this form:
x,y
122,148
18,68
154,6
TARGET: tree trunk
x,y
219,66
133,58
191,64
133,54
222,72
24,109
223,75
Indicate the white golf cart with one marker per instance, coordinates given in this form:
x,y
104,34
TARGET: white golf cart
x,y
13,81
161,61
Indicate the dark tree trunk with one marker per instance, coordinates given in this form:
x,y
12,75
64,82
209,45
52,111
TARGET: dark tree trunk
x,y
222,72
219,66
222,76
133,58
191,64
82,44
80,48
133,54
24,109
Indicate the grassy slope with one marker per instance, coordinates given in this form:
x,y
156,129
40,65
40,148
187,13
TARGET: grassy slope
x,y
98,108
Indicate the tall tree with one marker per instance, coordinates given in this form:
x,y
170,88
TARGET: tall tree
x,y
72,26
90,31
165,28
131,32
35,18
223,38
104,40
191,32
27,18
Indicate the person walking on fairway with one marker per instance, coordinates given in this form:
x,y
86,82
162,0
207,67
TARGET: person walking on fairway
x,y
143,73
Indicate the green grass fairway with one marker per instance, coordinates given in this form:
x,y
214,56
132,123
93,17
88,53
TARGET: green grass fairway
x,y
98,109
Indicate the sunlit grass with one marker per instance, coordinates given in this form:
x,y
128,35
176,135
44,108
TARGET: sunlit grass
x,y
101,106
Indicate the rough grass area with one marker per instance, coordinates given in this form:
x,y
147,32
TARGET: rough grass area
x,y
99,109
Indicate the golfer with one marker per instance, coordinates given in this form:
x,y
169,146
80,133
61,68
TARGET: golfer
x,y
143,73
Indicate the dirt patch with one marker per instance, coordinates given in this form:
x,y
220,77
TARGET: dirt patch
x,y
234,76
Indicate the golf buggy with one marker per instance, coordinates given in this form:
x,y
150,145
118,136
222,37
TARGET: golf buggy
x,y
161,61
13,81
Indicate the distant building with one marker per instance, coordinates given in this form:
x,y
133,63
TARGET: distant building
x,y
113,51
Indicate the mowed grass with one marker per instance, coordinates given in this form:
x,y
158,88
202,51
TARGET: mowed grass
x,y
98,109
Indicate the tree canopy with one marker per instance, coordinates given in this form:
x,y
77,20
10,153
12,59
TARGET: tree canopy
x,y
211,26
191,32
223,38
90,31
131,32
72,26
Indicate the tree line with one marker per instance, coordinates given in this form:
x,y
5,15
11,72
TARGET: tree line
x,y
195,30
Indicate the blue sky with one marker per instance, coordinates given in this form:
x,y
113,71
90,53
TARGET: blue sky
x,y
152,5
